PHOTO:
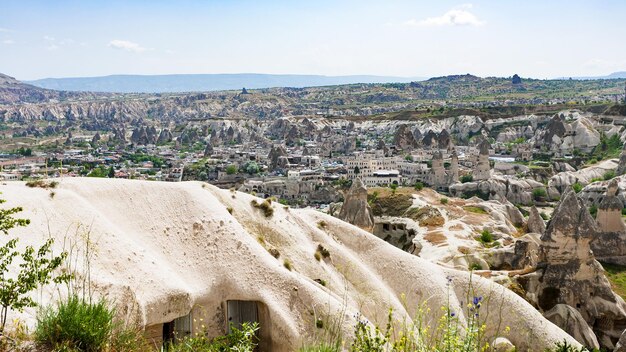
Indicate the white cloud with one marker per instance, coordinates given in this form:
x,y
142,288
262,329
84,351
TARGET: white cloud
x,y
126,45
8,41
458,16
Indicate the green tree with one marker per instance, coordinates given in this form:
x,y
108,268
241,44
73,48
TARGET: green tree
x,y
394,187
231,169
34,269
251,168
111,172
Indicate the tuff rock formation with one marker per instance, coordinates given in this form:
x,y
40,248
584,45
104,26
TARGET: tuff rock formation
x,y
404,138
355,208
609,245
535,221
164,137
567,272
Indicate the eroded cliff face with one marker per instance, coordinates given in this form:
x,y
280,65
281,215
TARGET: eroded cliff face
x,y
163,250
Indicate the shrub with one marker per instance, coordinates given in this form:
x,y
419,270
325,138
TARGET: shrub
x,y
443,201
75,324
419,186
474,209
321,224
467,178
565,347
323,251
266,207
544,216
317,256
230,210
577,187
274,252
231,169
608,175
486,236
287,264
593,210
42,184
539,194
243,339
474,266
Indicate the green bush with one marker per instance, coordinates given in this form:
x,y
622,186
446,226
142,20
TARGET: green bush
x,y
566,347
443,201
467,178
242,339
593,210
577,187
539,194
419,186
486,236
75,324
608,175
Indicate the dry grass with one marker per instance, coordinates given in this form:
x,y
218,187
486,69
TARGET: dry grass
x,y
42,184
266,207
436,237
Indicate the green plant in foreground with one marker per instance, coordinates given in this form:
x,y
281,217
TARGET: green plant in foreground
x,y
35,269
75,324
243,339
450,334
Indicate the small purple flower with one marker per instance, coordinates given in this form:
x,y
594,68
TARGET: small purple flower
x,y
452,314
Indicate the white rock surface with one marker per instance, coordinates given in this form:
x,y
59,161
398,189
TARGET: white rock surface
x,y
163,249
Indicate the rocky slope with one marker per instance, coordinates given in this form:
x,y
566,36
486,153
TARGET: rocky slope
x,y
163,250
13,91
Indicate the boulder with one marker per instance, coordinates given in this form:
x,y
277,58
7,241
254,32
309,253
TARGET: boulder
x,y
570,320
502,344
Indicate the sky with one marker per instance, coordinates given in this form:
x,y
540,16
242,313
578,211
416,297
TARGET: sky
x,y
409,38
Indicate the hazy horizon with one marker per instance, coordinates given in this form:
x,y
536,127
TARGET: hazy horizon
x,y
399,38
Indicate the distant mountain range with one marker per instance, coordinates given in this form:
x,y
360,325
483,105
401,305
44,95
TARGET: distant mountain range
x,y
203,82
614,75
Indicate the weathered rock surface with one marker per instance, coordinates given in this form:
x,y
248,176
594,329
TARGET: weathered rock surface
x,y
570,320
567,272
355,208
559,182
146,229
621,344
535,221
